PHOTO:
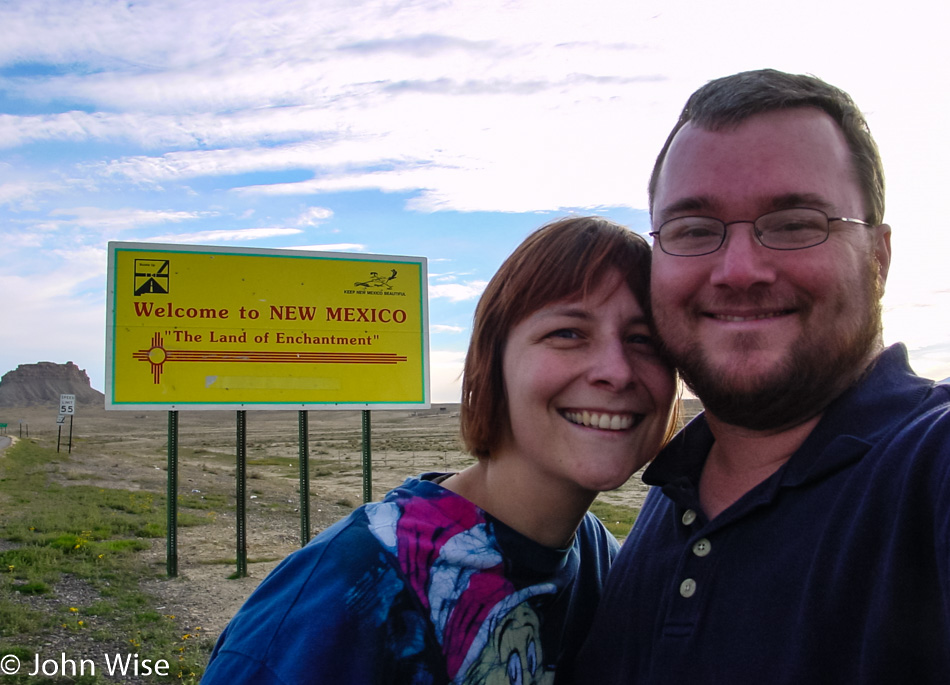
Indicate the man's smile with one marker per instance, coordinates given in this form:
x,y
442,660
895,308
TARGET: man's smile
x,y
738,318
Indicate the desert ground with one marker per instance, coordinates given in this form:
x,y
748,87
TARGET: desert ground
x,y
128,450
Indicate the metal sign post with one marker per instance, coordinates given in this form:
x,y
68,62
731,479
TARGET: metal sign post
x,y
303,432
60,420
171,497
367,459
240,513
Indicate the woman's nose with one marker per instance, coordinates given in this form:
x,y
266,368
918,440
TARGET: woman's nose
x,y
612,365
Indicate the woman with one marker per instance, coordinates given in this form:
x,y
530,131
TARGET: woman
x,y
490,575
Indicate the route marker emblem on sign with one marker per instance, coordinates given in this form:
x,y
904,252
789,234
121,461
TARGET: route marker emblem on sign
x,y
151,276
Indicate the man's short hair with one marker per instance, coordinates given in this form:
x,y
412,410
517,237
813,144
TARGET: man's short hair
x,y
730,100
564,259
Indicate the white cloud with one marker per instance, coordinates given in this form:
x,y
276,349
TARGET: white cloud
x,y
22,240
314,216
444,328
446,375
120,219
456,160
83,263
447,277
62,279
22,195
332,247
435,98
457,292
59,312
224,235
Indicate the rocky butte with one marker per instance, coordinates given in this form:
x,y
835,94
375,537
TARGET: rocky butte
x,y
44,382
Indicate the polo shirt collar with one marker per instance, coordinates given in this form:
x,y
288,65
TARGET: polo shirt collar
x,y
847,430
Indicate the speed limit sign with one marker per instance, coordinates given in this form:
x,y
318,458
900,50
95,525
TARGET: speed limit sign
x,y
67,405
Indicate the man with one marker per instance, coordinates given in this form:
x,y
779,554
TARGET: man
x,y
799,530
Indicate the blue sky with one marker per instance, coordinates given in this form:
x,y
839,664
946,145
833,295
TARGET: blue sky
x,y
437,128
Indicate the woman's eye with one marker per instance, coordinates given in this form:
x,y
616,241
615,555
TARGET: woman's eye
x,y
565,333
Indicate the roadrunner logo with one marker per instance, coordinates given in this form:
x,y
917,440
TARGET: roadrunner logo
x,y
377,282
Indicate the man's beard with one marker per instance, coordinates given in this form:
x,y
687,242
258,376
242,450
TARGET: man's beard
x,y
801,387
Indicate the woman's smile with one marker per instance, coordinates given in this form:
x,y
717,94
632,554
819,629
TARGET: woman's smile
x,y
601,419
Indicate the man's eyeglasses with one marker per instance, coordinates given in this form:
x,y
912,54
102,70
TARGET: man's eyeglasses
x,y
786,229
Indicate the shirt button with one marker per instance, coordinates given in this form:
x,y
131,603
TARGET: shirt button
x,y
688,587
688,517
702,547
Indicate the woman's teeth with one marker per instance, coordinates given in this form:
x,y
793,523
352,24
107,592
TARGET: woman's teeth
x,y
604,421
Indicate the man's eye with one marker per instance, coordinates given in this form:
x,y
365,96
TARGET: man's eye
x,y
691,231
792,227
643,341
696,232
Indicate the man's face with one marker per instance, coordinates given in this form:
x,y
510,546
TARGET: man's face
x,y
767,338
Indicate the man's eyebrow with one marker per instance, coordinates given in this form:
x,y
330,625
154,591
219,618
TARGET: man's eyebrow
x,y
789,200
705,205
695,204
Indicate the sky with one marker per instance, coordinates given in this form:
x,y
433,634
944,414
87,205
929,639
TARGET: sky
x,y
435,128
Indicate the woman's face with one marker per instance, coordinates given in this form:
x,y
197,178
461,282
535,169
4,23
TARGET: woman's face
x,y
589,398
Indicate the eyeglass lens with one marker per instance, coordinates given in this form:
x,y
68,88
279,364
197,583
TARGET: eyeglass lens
x,y
787,229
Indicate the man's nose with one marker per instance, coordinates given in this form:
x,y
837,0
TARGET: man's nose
x,y
742,261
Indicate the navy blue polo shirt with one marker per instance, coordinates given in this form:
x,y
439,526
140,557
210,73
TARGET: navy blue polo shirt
x,y
836,569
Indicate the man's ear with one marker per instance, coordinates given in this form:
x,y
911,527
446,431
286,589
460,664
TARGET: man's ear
x,y
882,251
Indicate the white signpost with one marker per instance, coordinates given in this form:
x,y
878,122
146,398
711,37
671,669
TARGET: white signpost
x,y
67,407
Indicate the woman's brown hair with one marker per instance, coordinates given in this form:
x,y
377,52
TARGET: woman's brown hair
x,y
561,260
